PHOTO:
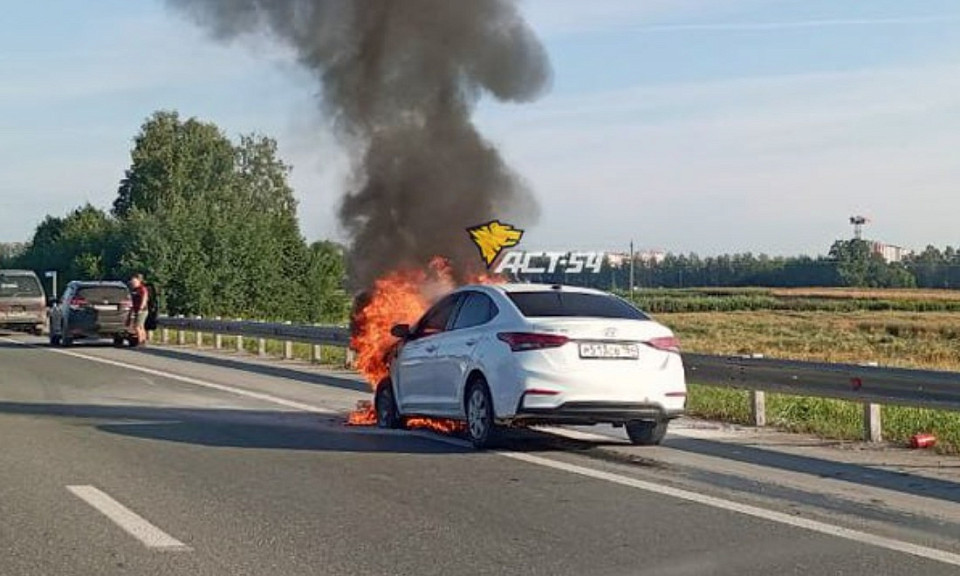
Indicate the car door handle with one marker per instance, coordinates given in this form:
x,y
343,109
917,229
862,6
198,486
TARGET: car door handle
x,y
471,342
430,348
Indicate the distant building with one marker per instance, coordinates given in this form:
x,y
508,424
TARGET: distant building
x,y
889,252
618,259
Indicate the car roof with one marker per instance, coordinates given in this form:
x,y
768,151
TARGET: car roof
x,y
13,272
97,283
513,287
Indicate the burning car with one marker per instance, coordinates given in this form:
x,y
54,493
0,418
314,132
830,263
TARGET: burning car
x,y
501,354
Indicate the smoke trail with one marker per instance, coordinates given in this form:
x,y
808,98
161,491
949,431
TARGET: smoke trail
x,y
400,79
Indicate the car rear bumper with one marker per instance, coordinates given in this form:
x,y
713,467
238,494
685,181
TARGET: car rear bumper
x,y
100,330
20,322
597,412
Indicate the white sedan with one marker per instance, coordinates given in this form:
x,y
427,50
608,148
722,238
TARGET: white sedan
x,y
495,355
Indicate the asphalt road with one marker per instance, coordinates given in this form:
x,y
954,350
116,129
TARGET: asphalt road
x,y
128,462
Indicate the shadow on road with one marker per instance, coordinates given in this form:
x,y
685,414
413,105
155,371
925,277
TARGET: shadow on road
x,y
333,380
229,428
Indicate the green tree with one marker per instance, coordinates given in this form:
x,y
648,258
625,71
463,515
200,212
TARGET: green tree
x,y
853,259
82,245
211,222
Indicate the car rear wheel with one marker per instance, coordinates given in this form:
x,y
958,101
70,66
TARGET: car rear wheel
x,y
388,416
118,341
133,341
646,432
54,339
481,424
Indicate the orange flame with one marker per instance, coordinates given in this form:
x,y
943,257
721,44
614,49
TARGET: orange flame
x,y
440,425
364,415
400,297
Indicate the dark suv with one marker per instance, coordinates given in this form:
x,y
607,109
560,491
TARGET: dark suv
x,y
91,310
23,305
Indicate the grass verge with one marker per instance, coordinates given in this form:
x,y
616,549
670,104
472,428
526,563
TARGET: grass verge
x,y
828,418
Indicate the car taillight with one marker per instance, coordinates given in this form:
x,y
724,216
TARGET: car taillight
x,y
77,302
523,341
665,343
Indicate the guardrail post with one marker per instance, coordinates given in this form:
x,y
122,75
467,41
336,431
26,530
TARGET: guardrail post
x,y
164,335
199,335
758,408
261,347
218,338
872,426
239,338
181,335
316,353
351,358
287,347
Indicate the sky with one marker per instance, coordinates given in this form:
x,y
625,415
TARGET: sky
x,y
681,125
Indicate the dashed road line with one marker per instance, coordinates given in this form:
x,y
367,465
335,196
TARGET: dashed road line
x,y
131,523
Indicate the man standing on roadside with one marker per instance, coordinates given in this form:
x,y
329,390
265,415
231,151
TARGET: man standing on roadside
x,y
137,320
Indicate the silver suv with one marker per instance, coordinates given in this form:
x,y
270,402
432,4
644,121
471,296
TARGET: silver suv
x,y
23,305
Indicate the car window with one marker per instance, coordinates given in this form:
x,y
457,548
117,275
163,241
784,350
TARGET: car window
x,y
104,294
476,309
559,303
19,286
437,317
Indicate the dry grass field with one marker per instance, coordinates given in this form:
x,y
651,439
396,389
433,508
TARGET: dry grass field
x,y
921,340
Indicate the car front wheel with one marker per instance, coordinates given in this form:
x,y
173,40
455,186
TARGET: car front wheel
x,y
481,424
388,416
646,433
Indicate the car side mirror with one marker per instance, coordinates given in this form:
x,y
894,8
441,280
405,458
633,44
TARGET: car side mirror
x,y
401,331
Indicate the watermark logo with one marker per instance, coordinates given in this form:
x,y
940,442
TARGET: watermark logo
x,y
522,262
494,237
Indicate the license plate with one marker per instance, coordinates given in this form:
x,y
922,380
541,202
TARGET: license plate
x,y
609,350
106,307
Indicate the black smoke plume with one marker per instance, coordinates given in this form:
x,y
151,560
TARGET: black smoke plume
x,y
400,79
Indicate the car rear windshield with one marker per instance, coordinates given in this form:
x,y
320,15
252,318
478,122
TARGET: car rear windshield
x,y
104,294
19,286
559,303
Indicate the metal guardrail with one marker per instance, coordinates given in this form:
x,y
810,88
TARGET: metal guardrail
x,y
287,333
870,385
331,335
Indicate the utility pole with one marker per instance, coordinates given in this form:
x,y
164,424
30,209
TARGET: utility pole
x,y
52,275
631,267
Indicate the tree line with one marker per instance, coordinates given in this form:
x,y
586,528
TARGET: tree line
x,y
848,263
211,222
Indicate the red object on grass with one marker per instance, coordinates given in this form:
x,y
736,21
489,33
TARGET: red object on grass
x,y
922,440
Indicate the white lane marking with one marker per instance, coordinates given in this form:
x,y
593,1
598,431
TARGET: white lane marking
x,y
133,524
745,509
205,384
